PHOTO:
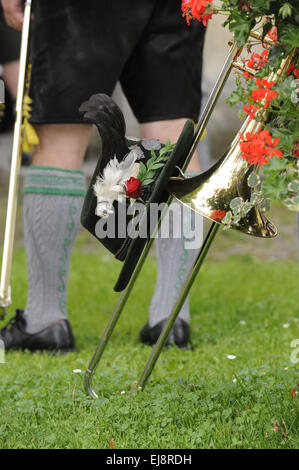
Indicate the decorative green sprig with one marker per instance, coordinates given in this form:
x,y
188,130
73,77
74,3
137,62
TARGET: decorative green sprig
x,y
147,170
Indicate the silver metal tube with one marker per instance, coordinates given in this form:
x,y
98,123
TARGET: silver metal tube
x,y
5,290
178,305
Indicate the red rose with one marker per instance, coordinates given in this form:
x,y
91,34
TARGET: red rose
x,y
133,187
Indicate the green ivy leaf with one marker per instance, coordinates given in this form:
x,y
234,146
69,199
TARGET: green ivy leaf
x,y
236,203
253,180
293,186
265,205
227,218
247,206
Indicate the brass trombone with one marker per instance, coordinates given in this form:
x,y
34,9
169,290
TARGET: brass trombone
x,y
228,175
5,289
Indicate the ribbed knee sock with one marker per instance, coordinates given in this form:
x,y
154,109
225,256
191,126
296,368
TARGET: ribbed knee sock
x,y
174,259
53,200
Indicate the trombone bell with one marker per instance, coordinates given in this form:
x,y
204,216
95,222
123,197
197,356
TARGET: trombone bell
x,y
213,190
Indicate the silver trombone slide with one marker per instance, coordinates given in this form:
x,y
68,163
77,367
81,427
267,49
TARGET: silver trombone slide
x,y
201,126
5,289
177,307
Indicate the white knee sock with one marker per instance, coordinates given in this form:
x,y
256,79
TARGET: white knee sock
x,y
175,257
53,201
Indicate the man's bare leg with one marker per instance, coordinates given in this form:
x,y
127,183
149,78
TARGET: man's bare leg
x,y
10,76
164,130
61,145
173,258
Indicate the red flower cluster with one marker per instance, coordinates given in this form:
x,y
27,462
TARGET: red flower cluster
x,y
217,214
293,70
251,110
133,187
272,34
257,61
257,148
263,92
196,9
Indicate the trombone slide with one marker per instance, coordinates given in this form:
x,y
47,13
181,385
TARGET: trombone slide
x,y
5,290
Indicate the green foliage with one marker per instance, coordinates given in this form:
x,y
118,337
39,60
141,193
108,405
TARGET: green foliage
x,y
281,183
147,171
285,10
240,25
289,35
281,117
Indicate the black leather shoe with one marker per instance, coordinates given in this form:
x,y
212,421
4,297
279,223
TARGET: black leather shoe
x,y
181,333
57,337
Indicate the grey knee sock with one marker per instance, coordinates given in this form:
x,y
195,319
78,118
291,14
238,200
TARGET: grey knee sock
x,y
175,256
53,200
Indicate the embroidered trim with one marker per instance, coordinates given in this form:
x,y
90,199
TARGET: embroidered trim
x,y
67,244
53,168
66,192
55,184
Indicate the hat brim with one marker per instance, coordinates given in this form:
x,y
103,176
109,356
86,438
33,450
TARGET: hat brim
x,y
158,195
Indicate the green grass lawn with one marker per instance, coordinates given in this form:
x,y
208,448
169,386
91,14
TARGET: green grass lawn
x,y
194,399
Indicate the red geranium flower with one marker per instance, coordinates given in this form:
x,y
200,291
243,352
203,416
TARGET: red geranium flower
x,y
251,110
133,187
293,70
257,61
196,9
217,214
264,91
257,148
248,75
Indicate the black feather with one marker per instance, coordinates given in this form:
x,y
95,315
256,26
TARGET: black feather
x,y
101,110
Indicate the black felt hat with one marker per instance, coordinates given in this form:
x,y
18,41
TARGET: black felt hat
x,y
159,160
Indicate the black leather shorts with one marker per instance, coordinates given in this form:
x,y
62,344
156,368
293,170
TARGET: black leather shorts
x,y
79,48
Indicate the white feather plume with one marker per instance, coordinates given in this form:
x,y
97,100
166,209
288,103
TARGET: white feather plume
x,y
111,184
